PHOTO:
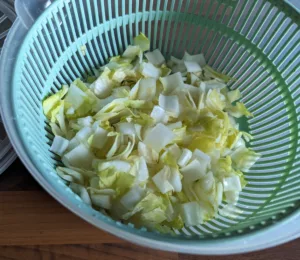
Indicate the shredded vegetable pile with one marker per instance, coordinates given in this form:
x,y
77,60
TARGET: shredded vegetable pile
x,y
151,142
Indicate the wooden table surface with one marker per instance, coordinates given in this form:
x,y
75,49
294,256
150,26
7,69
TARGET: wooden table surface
x,y
34,226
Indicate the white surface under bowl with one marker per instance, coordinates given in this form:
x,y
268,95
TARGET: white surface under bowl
x,y
7,154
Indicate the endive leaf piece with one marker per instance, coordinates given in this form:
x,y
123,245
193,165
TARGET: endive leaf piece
x,y
170,104
142,41
59,145
232,184
192,66
172,82
155,57
147,153
118,165
79,157
212,73
131,52
239,110
234,95
193,171
102,201
191,213
159,115
52,101
142,170
244,158
199,58
161,180
147,89
132,197
81,192
158,137
184,157
150,71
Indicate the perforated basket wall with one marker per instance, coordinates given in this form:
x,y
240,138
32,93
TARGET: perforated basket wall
x,y
256,42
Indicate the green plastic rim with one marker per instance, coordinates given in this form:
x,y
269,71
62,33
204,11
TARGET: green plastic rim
x,y
254,41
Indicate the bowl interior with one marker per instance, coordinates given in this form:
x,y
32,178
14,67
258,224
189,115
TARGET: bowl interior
x,y
256,42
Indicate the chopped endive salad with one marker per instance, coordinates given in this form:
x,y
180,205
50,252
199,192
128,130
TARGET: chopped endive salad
x,y
151,142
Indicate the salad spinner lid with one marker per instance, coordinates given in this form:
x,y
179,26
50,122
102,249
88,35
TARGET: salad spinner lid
x,y
7,17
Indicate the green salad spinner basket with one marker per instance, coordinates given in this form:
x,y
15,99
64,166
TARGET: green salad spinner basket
x,y
257,42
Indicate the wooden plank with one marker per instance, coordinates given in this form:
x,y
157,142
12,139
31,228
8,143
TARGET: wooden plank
x,y
81,252
290,251
34,218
